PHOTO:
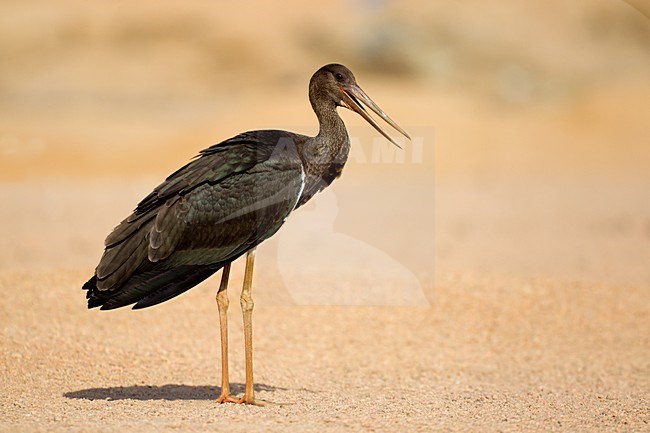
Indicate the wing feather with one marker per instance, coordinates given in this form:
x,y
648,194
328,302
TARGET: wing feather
x,y
115,256
164,234
207,213
126,269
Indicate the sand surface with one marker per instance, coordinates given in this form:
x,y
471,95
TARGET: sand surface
x,y
493,276
495,351
497,354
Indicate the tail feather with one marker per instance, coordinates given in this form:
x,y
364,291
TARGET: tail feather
x,y
174,289
148,288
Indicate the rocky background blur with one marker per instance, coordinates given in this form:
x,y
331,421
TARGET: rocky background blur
x,y
532,120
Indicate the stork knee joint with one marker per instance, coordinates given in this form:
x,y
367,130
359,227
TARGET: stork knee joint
x,y
222,300
246,302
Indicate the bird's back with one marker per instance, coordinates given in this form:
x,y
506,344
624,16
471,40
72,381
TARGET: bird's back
x,y
233,196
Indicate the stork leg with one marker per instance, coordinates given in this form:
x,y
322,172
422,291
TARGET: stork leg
x,y
222,303
247,311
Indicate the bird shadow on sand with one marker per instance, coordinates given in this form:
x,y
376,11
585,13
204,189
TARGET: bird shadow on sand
x,y
163,392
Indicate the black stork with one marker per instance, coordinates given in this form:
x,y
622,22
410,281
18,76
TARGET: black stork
x,y
221,205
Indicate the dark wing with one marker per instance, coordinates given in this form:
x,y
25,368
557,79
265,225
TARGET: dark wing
x,y
212,164
206,214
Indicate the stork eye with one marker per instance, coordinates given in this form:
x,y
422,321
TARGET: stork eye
x,y
339,76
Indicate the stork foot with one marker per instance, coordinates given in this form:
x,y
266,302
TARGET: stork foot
x,y
227,398
243,400
252,401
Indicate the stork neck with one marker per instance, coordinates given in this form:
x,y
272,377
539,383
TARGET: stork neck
x,y
331,125
332,128
332,136
324,155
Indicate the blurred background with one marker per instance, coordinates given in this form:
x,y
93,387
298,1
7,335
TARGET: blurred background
x,y
531,126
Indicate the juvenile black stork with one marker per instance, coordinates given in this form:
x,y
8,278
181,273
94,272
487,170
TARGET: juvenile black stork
x,y
221,205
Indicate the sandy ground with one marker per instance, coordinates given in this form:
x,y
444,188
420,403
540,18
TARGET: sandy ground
x,y
495,278
496,351
496,354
